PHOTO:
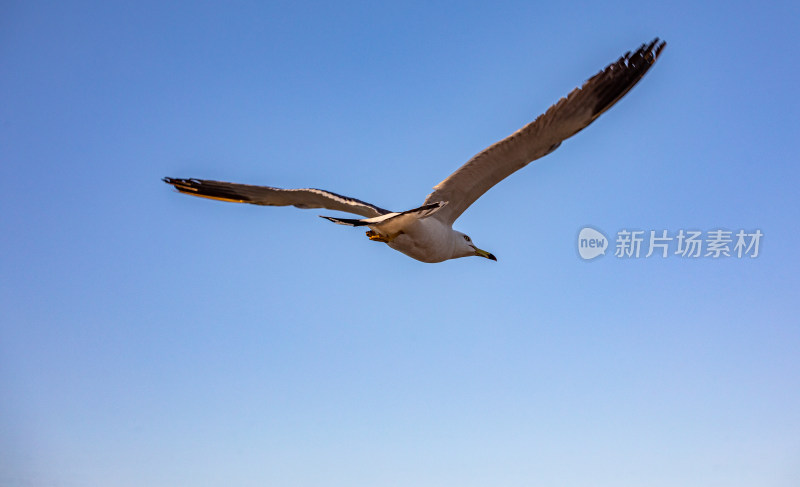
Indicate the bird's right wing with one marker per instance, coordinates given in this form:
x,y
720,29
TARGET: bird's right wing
x,y
268,196
542,136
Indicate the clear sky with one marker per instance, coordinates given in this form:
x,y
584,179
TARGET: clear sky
x,y
152,339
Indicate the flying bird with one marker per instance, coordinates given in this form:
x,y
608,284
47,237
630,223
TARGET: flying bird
x,y
426,233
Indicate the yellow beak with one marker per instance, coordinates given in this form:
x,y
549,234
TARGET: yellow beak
x,y
484,254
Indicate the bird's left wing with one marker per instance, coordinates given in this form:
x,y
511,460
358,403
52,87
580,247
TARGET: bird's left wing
x,y
542,136
268,196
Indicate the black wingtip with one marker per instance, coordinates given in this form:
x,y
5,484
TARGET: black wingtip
x,y
182,185
176,181
619,77
660,47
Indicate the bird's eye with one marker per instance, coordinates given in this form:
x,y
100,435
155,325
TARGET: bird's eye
x,y
467,238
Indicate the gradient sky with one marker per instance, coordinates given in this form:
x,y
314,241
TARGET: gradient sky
x,y
152,339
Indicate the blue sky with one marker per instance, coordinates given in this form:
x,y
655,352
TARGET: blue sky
x,y
148,338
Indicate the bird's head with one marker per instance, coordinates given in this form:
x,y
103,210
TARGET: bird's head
x,y
465,248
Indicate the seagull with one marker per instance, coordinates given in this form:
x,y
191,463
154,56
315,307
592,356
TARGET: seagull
x,y
426,233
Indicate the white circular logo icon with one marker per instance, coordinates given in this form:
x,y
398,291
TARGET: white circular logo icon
x,y
591,243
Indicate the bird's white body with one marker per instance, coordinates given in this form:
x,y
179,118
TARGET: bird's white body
x,y
431,240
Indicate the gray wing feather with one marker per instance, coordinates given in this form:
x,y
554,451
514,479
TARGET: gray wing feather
x,y
537,139
268,196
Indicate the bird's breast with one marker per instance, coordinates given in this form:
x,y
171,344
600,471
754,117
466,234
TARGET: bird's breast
x,y
427,240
